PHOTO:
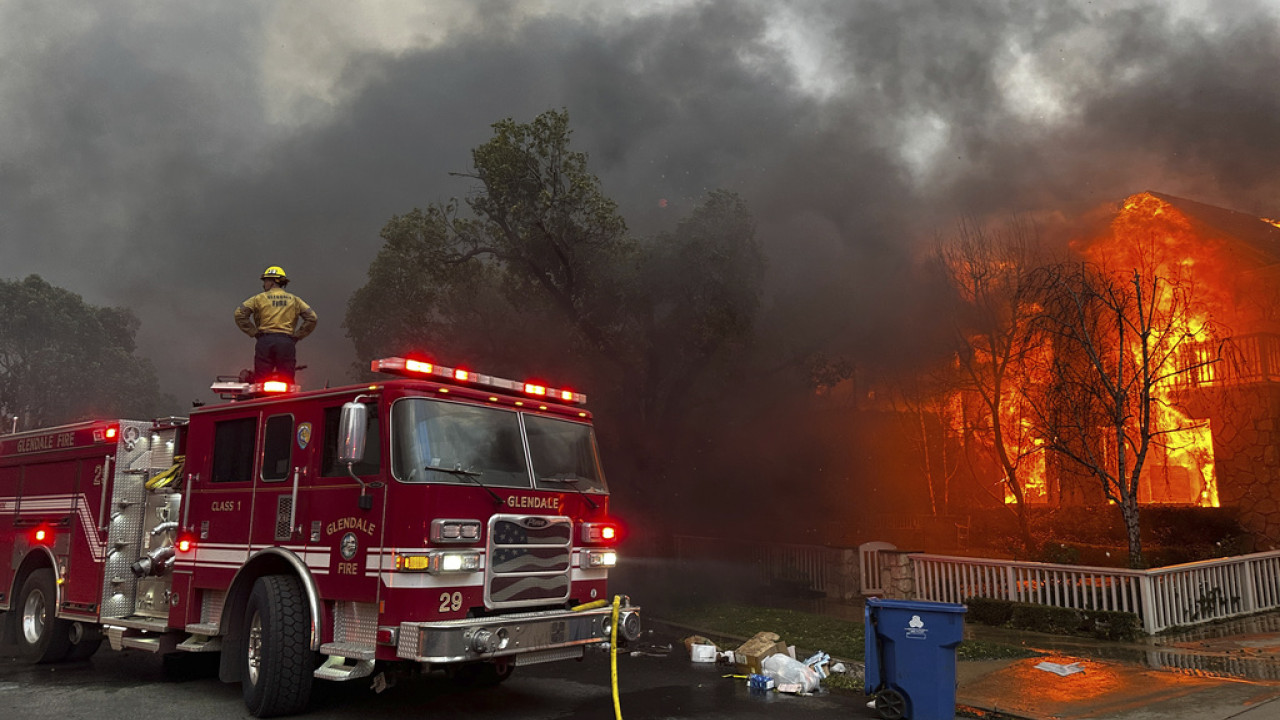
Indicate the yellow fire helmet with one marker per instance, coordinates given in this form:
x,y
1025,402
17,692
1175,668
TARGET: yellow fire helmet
x,y
275,272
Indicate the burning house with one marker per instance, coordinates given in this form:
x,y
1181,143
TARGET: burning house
x,y
1212,314
1230,455
1210,343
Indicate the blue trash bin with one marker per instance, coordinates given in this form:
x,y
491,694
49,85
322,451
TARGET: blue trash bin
x,y
911,657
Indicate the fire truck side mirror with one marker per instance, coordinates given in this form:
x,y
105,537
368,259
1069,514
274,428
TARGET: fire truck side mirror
x,y
352,428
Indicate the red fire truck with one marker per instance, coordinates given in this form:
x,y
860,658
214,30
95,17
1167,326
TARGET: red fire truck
x,y
440,519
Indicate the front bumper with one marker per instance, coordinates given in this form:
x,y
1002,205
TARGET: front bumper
x,y
550,635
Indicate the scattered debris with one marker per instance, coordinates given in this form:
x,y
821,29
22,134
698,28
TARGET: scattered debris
x,y
1060,669
818,662
750,654
649,649
700,649
790,671
760,682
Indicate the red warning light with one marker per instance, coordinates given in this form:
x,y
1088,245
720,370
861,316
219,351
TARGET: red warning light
x,y
185,544
112,432
460,374
275,386
42,535
600,533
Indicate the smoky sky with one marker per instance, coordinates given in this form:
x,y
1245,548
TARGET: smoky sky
x,y
159,156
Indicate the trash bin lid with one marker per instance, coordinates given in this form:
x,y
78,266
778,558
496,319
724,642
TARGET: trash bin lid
x,y
916,605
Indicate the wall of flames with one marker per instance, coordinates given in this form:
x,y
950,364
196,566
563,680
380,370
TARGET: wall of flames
x,y
1151,235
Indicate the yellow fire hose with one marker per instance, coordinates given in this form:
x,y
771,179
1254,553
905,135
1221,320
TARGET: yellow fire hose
x,y
613,656
613,645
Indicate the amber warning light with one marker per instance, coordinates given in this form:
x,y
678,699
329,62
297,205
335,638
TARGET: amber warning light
x,y
406,367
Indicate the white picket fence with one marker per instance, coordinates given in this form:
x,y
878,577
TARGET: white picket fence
x,y
1178,595
1173,596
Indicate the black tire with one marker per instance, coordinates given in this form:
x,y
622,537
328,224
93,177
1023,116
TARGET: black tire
x,y
41,636
891,704
88,644
276,662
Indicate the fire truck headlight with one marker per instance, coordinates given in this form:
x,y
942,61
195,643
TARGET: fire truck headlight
x,y
440,561
600,558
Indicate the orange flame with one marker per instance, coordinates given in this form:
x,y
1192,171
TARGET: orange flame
x,y
1152,236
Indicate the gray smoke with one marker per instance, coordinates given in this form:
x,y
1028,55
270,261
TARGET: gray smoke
x,y
159,156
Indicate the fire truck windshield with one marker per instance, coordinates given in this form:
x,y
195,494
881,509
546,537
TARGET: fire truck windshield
x,y
436,441
444,442
563,453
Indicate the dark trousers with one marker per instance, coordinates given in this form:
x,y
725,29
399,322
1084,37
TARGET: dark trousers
x,y
275,357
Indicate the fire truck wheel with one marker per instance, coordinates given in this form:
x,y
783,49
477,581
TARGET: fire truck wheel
x,y
42,637
276,662
482,674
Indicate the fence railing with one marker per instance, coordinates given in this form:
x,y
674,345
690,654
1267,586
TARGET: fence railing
x,y
1178,595
1174,596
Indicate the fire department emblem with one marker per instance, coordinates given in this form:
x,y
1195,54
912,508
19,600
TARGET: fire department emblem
x,y
304,435
349,546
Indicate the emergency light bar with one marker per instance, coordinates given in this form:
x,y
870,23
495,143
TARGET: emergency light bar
x,y
231,389
406,367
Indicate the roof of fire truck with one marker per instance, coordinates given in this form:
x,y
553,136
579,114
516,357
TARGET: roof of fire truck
x,y
424,375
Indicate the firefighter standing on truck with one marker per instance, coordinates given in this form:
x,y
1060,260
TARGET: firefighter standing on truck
x,y
272,316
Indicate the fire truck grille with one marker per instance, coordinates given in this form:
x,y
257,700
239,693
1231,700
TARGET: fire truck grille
x,y
529,560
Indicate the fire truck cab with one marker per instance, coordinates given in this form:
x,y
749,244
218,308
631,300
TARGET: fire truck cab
x,y
438,519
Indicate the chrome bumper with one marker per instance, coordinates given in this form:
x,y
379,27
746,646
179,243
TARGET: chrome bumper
x,y
517,634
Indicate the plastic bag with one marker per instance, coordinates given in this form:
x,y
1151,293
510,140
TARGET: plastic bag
x,y
790,671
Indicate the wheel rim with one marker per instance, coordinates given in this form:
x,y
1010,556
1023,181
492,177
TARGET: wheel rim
x,y
891,704
33,622
254,648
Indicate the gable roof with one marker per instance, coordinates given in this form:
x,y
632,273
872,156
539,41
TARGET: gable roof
x,y
1251,240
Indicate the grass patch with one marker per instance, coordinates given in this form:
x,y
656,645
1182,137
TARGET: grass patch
x,y
979,650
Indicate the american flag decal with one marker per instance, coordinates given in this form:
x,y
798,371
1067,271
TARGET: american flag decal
x,y
529,560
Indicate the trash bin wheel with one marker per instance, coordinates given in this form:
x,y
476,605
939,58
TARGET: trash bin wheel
x,y
891,704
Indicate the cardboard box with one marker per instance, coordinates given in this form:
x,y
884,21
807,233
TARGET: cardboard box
x,y
693,641
751,653
700,653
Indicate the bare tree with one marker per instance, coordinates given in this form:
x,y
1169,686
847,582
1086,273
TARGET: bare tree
x,y
996,340
1117,348
922,404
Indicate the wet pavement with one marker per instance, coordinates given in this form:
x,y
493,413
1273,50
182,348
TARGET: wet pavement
x,y
1226,671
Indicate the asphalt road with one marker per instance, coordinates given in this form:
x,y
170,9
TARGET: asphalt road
x,y
134,684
